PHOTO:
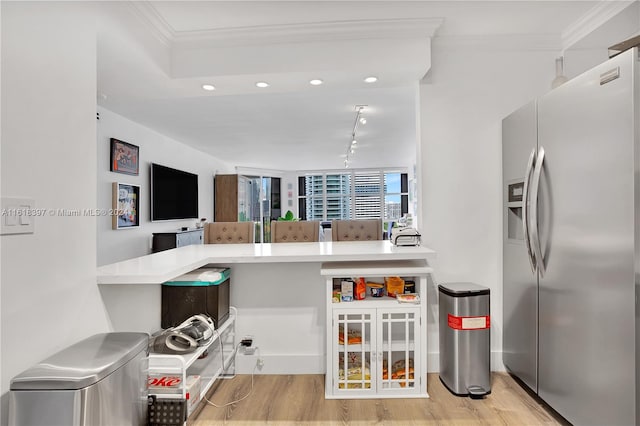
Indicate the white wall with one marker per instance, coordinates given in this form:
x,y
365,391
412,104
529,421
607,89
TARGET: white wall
x,y
289,178
49,294
592,49
117,245
49,298
469,90
471,86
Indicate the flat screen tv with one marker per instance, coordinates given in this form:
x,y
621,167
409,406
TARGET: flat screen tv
x,y
174,194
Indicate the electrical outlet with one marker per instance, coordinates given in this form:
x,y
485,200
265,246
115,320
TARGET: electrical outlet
x,y
260,363
247,341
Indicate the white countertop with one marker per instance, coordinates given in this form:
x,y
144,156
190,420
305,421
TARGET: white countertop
x,y
163,266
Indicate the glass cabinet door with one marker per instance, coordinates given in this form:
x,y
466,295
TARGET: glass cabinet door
x,y
354,342
246,203
259,202
398,344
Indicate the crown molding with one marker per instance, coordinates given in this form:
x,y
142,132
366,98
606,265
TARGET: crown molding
x,y
594,18
312,32
500,42
299,33
156,24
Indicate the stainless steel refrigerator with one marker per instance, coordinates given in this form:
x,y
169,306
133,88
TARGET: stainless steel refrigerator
x,y
571,263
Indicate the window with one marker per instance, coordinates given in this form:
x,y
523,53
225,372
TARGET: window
x,y
396,195
338,200
357,194
368,191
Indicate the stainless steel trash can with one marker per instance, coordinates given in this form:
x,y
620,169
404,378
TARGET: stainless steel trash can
x,y
465,340
99,381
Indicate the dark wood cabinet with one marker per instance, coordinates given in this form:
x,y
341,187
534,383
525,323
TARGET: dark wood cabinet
x,y
168,240
226,198
240,198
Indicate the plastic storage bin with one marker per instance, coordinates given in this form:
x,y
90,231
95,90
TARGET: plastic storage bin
x,y
465,340
99,381
203,291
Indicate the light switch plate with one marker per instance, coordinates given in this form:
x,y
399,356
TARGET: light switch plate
x,y
17,216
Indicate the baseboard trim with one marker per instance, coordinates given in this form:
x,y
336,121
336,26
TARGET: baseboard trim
x,y
316,364
281,364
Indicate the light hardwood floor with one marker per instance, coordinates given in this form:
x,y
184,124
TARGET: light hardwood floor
x,y
299,400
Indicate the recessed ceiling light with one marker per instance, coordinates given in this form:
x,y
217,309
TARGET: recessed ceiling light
x,y
316,82
262,84
208,87
371,79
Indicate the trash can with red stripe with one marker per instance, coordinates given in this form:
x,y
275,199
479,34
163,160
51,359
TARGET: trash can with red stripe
x,y
465,341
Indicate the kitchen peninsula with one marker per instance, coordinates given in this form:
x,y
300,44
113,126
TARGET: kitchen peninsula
x,y
278,289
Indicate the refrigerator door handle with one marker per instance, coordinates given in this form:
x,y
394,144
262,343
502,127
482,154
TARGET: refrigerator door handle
x,y
525,210
533,217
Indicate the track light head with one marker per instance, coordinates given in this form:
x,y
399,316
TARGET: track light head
x,y
353,143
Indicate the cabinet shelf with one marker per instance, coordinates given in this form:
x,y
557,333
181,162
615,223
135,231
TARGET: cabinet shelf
x,y
376,269
354,348
391,334
395,345
208,368
192,357
372,302
399,345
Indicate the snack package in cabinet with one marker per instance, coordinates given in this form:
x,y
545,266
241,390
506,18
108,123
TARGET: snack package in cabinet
x,y
361,288
395,285
346,290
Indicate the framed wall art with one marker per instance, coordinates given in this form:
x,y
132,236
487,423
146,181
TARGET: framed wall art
x,y
125,157
126,206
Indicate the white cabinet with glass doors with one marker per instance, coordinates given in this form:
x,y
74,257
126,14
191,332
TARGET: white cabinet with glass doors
x,y
376,347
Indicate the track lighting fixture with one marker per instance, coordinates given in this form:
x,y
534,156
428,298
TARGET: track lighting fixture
x,y
351,147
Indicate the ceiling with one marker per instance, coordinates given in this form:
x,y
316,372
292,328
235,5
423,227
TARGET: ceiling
x,y
153,58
